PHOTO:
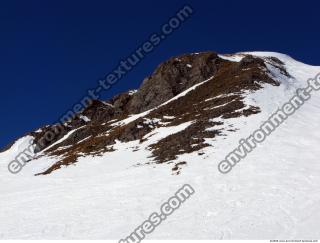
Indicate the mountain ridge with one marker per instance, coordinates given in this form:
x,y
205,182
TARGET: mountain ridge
x,y
273,193
220,83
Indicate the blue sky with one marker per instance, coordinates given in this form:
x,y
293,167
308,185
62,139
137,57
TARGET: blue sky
x,y
51,52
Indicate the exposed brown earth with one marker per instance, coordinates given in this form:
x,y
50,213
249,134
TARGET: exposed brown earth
x,y
221,96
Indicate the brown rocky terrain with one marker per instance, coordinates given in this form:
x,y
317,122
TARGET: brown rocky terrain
x,y
221,95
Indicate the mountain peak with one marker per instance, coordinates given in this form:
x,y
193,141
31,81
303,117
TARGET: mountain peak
x,y
175,111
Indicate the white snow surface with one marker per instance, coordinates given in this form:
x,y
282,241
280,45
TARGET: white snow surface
x,y
137,116
274,193
85,118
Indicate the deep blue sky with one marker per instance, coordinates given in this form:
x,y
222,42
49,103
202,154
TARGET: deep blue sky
x,y
51,52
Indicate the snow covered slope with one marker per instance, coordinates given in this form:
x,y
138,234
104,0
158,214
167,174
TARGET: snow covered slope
x,y
274,193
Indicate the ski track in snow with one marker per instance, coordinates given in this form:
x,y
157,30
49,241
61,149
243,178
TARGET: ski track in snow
x,y
274,193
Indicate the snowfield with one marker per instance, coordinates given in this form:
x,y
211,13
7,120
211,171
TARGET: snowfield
x,y
274,193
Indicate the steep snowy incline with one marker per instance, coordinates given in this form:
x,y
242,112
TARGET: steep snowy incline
x,y
274,193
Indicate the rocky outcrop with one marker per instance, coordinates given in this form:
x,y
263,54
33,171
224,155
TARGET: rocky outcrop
x,y
172,77
95,130
98,112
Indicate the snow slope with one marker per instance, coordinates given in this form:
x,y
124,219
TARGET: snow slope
x,y
274,193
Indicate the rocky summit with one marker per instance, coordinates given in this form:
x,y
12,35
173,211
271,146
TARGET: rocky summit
x,y
102,171
188,91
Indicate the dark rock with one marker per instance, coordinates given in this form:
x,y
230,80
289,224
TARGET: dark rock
x,y
173,77
251,60
220,97
99,111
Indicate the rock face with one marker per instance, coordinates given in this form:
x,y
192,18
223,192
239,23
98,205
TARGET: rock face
x,y
172,77
217,87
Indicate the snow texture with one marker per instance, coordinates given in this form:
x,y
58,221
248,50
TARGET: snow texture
x,y
274,193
